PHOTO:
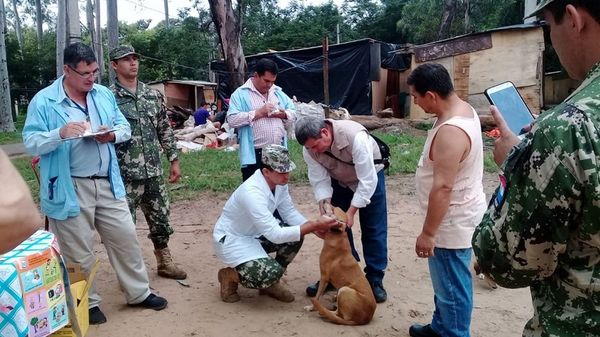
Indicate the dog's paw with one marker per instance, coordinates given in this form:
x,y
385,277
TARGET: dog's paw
x,y
309,308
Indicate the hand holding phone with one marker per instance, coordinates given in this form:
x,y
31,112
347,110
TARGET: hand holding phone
x,y
506,140
511,106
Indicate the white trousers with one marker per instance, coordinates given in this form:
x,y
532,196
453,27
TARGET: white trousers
x,y
111,218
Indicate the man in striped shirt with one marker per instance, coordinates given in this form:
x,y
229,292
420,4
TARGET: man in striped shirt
x,y
260,111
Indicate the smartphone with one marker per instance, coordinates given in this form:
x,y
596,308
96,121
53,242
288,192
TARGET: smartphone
x,y
511,105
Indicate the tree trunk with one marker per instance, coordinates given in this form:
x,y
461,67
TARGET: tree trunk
x,y
6,120
18,30
40,34
100,46
167,13
228,25
448,12
113,32
38,23
61,35
89,16
74,28
467,16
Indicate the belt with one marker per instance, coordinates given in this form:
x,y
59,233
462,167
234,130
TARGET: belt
x,y
93,177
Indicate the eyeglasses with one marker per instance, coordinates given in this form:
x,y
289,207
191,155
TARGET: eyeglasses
x,y
88,74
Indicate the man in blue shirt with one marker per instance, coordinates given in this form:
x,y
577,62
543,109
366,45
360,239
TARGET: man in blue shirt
x,y
73,125
202,115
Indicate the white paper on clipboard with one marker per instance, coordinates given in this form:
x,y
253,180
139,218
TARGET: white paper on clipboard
x,y
92,134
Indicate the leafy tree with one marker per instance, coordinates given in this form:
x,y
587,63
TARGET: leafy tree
x,y
29,71
383,27
306,27
421,19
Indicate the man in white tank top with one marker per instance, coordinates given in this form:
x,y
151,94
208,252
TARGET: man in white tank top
x,y
450,193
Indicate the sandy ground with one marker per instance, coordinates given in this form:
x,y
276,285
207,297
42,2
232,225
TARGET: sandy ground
x,y
197,310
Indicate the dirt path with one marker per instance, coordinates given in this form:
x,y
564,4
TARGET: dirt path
x,y
197,310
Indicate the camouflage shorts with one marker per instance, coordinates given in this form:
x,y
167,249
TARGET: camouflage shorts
x,y
151,196
264,272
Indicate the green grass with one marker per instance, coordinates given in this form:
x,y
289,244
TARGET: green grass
x,y
219,171
405,152
23,165
14,137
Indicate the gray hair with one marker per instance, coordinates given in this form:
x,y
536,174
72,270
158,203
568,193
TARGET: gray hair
x,y
308,127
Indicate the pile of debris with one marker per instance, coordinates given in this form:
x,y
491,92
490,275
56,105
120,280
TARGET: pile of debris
x,y
178,116
210,135
217,136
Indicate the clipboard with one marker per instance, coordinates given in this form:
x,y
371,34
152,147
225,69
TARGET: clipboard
x,y
92,134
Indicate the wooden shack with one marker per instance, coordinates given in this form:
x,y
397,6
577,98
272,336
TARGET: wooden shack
x,y
480,60
187,94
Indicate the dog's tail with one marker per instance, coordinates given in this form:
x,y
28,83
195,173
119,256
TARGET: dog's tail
x,y
331,315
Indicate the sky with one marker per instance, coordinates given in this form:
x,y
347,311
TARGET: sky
x,y
133,10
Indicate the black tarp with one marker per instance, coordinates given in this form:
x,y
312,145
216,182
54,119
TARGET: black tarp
x,y
352,67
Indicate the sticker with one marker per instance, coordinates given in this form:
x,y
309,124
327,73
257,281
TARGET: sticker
x,y
499,197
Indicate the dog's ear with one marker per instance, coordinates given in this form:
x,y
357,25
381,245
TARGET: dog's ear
x,y
340,215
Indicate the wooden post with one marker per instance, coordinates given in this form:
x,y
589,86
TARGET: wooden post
x,y
112,25
326,75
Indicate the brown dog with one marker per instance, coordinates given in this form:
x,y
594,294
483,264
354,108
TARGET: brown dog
x,y
355,301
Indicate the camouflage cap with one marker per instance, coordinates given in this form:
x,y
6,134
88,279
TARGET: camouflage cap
x,y
278,158
540,6
121,51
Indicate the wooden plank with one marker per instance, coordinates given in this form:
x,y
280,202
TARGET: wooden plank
x,y
461,70
515,57
463,45
379,91
557,88
531,95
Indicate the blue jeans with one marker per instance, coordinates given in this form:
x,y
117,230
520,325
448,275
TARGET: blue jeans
x,y
453,291
373,224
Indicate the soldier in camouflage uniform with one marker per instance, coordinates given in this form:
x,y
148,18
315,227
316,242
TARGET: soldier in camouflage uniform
x,y
542,227
139,158
247,230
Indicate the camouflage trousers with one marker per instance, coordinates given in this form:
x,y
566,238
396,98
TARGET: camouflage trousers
x,y
264,272
151,196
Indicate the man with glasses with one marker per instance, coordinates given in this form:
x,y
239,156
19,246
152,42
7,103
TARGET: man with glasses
x,y
541,229
139,157
80,184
